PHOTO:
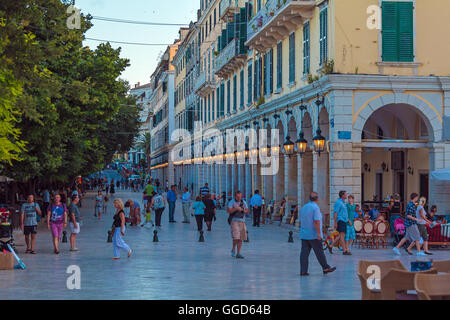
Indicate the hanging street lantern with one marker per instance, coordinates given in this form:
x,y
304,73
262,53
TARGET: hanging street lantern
x,y
265,151
288,147
319,142
247,151
301,144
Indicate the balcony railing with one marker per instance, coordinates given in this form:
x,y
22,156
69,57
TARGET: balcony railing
x,y
190,99
231,58
276,20
204,84
228,8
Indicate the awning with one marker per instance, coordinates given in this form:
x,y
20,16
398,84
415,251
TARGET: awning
x,y
441,175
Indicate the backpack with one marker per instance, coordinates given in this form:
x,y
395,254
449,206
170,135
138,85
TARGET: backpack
x,y
399,226
158,202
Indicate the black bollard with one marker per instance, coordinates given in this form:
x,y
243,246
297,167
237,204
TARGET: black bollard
x,y
291,237
155,236
202,238
64,237
248,239
109,237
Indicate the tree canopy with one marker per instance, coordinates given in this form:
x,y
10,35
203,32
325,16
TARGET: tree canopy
x,y
63,107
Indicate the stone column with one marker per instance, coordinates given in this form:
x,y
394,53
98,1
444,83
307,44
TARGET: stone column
x,y
248,181
345,172
171,173
321,182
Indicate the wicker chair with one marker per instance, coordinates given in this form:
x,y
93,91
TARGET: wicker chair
x,y
442,266
381,229
396,283
358,224
385,267
368,235
433,287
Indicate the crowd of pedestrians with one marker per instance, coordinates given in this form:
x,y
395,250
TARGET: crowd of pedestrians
x,y
61,209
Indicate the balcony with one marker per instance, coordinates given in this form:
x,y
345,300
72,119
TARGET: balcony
x,y
231,58
204,85
276,20
191,99
227,9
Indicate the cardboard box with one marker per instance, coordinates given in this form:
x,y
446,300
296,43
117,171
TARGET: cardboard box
x,y
6,261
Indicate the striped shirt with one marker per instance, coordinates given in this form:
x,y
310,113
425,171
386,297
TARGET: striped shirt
x,y
204,191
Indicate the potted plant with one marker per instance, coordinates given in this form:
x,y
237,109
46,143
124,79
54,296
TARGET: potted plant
x,y
260,22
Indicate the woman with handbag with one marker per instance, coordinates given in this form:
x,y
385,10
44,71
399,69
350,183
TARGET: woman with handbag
x,y
118,230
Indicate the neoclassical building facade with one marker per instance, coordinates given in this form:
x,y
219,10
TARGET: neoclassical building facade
x,y
371,75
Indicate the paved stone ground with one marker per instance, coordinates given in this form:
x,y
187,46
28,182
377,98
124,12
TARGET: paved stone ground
x,y
179,267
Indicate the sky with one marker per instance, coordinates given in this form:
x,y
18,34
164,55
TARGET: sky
x,y
143,59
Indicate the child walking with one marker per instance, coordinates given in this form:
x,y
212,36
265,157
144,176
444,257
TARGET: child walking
x,y
148,217
98,205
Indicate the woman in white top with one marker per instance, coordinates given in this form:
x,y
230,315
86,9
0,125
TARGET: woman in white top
x,y
422,223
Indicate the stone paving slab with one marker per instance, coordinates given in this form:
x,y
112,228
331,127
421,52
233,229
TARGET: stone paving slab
x,y
179,267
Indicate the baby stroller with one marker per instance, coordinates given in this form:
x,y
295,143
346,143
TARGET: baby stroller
x,y
6,230
399,230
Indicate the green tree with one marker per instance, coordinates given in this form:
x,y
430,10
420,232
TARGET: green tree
x,y
144,143
69,101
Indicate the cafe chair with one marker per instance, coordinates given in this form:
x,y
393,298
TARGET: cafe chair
x,y
433,287
442,266
396,284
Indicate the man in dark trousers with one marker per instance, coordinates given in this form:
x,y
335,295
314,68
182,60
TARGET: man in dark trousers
x,y
311,236
256,204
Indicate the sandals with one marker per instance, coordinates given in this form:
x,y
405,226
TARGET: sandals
x,y
32,252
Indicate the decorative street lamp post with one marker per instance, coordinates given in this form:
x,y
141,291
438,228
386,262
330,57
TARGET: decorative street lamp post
x,y
301,143
319,140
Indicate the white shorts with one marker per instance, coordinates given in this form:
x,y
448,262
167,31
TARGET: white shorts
x,y
72,228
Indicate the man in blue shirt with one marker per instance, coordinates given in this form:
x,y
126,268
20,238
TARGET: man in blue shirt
x,y
373,213
311,236
172,199
186,201
256,204
341,220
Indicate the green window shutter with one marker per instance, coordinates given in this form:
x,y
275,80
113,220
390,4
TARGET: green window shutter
x,y
279,65
228,97
292,57
241,96
218,101
306,48
406,30
323,36
224,39
235,92
265,68
213,102
390,31
243,32
249,83
271,71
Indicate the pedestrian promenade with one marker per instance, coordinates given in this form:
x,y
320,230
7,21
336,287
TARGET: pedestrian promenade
x,y
179,267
